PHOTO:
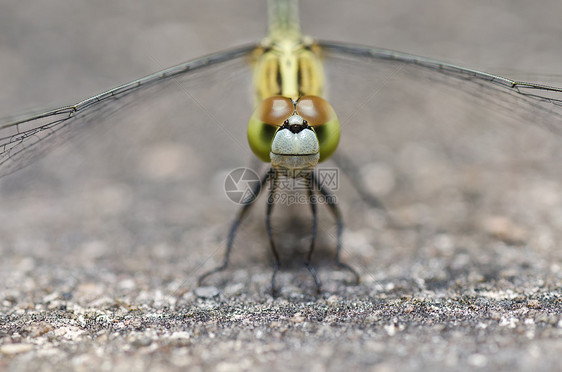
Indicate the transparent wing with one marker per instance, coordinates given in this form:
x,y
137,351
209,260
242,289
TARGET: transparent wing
x,y
142,170
26,139
540,104
448,148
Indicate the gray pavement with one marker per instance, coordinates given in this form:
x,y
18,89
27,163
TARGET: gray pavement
x,y
103,239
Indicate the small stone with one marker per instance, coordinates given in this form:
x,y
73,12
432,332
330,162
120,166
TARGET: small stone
x,y
409,309
333,300
534,304
88,292
12,349
206,292
69,332
36,329
298,318
478,360
505,229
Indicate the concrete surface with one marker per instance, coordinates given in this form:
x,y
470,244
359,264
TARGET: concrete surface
x,y
102,240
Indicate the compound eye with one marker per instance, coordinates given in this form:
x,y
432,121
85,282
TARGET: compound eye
x,y
275,110
265,121
315,110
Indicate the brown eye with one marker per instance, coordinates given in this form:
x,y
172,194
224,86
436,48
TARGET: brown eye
x,y
315,110
274,110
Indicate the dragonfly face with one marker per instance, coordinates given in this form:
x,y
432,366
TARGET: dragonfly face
x,y
303,132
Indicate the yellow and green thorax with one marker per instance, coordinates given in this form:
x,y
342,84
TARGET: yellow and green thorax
x,y
293,126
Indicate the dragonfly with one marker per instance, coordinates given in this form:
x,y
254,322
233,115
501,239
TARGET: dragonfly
x,y
280,79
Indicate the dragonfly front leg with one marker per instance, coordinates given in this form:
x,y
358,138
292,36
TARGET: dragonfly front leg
x,y
308,264
270,204
330,200
242,213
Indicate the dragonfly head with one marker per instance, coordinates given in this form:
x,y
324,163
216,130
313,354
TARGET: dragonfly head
x,y
293,134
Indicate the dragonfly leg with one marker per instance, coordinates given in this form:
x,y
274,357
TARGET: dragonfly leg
x,y
331,201
246,205
307,263
270,204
